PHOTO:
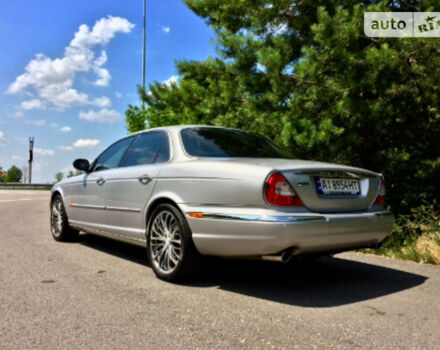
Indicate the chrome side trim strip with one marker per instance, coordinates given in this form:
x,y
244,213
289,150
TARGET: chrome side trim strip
x,y
99,207
263,218
87,206
134,210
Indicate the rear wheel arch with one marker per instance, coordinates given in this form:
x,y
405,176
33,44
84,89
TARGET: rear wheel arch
x,y
153,205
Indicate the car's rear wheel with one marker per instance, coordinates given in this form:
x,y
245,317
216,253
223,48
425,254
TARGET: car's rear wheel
x,y
61,231
170,248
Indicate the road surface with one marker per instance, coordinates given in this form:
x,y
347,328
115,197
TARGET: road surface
x,y
102,294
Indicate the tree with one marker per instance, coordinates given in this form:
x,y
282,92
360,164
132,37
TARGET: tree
x,y
14,174
74,173
304,74
59,176
2,175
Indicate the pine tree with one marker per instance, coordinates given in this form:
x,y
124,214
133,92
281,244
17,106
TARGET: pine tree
x,y
304,74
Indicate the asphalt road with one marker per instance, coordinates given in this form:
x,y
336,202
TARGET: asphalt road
x,y
99,293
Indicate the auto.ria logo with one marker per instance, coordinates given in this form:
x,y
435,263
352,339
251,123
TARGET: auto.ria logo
x,y
402,24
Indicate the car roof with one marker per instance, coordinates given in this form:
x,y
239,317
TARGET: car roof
x,y
180,127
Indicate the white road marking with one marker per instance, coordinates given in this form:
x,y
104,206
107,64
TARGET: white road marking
x,y
21,199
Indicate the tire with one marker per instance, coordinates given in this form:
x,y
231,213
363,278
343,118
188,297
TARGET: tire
x,y
170,248
59,225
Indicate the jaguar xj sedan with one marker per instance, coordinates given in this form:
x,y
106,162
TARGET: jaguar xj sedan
x,y
188,191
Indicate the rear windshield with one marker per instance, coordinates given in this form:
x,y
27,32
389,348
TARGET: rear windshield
x,y
213,142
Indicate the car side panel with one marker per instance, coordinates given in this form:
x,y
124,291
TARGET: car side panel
x,y
126,197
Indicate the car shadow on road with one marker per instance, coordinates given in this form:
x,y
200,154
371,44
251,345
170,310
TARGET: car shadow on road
x,y
327,282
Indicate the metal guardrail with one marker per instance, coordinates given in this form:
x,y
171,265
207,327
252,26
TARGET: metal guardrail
x,y
19,186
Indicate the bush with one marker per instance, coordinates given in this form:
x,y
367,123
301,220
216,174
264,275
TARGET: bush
x,y
415,236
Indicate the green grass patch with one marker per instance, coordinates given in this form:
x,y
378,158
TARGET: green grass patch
x,y
415,237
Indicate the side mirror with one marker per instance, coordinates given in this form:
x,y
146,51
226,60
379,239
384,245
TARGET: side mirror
x,y
82,164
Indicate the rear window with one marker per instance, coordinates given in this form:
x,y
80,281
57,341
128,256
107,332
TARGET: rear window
x,y
216,142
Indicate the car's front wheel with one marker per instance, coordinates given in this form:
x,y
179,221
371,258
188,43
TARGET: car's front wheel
x,y
61,231
170,248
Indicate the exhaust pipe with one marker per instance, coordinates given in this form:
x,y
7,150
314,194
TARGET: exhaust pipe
x,y
283,257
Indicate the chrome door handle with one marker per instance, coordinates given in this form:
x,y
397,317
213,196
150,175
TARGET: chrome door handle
x,y
100,181
144,179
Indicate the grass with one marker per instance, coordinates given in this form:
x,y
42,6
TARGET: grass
x,y
415,237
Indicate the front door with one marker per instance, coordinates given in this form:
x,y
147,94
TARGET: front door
x,y
88,201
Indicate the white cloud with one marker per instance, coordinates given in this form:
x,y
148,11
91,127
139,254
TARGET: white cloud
x,y
102,102
118,94
32,104
52,79
67,169
65,148
102,73
15,157
2,138
44,152
39,165
103,116
86,143
171,80
66,129
18,115
36,122
277,28
166,29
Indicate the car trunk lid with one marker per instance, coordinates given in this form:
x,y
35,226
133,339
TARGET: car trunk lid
x,y
334,190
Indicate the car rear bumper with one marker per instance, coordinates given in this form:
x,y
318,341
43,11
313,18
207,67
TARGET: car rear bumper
x,y
265,233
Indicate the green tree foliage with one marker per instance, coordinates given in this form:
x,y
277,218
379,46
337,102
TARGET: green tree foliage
x,y
2,175
59,176
14,174
304,74
72,173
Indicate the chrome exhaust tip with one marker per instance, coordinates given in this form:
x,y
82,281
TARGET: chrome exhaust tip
x,y
283,257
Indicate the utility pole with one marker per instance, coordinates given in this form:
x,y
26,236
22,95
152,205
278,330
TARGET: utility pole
x,y
144,49
31,157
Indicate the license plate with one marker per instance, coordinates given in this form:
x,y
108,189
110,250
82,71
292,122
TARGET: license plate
x,y
327,185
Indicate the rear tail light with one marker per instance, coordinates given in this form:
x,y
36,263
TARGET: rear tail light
x,y
380,199
278,191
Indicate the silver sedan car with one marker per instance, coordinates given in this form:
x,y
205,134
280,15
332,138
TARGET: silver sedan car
x,y
188,191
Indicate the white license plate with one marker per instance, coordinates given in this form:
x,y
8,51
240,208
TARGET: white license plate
x,y
327,185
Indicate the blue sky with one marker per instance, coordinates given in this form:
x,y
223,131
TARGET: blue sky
x,y
69,69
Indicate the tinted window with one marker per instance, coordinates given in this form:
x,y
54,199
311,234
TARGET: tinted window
x,y
146,149
213,142
111,158
164,153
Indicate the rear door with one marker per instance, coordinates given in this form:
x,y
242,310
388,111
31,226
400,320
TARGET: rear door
x,y
129,187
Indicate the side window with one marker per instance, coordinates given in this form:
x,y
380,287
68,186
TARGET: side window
x,y
112,156
164,153
146,149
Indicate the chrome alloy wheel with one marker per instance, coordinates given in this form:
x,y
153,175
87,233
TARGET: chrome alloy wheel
x,y
165,242
56,218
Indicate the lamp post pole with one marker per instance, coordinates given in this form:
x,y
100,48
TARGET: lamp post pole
x,y
31,157
144,49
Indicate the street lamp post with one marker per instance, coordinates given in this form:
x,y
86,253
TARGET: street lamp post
x,y
31,157
144,49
